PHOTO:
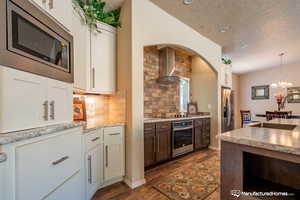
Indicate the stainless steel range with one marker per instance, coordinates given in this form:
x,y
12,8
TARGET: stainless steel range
x,y
182,137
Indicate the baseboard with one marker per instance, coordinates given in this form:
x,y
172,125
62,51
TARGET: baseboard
x,y
116,180
214,148
134,184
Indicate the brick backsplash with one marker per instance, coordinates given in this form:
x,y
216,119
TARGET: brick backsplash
x,y
162,100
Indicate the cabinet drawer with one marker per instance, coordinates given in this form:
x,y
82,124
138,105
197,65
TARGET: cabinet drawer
x,y
43,166
149,128
163,126
93,139
113,135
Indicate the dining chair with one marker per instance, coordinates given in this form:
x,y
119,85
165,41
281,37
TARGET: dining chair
x,y
246,119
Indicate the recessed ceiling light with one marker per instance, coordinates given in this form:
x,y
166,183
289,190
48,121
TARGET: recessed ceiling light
x,y
187,2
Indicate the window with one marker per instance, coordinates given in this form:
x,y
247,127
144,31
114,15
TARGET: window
x,y
184,94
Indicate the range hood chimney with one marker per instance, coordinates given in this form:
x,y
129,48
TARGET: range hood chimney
x,y
167,66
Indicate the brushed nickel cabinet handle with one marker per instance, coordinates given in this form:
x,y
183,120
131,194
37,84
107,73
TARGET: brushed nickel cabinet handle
x,y
93,77
50,4
60,160
45,105
95,139
52,110
112,134
157,143
106,156
90,169
154,145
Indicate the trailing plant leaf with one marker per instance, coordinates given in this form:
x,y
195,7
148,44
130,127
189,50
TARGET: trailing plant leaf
x,y
94,11
226,61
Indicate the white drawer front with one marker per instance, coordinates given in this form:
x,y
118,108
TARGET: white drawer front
x,y
43,166
113,135
93,139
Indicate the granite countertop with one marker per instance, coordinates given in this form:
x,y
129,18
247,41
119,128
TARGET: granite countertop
x,y
266,138
3,157
154,120
94,125
17,136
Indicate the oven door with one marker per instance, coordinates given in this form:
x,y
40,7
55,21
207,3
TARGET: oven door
x,y
182,141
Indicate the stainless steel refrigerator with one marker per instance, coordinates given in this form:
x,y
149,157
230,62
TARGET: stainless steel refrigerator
x,y
227,109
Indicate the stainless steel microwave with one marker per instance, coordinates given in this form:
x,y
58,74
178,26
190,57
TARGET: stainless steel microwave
x,y
31,41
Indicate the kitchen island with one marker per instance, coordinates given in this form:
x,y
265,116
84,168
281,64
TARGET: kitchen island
x,y
262,160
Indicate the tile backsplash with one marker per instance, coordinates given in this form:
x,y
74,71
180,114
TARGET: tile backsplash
x,y
162,100
105,107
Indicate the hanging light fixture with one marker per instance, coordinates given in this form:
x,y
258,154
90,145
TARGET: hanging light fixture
x,y
281,83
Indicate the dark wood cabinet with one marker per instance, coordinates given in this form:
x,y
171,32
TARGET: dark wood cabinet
x,y
201,133
157,142
149,144
163,141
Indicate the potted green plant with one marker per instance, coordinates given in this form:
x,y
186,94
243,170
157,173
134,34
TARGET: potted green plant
x,y
226,61
93,11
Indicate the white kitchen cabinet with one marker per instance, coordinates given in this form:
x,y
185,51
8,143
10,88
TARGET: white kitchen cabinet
x,y
60,95
95,57
2,180
226,76
114,153
82,55
46,167
59,10
30,101
103,59
94,166
93,162
23,100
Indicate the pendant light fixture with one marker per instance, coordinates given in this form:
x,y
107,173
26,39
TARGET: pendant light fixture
x,y
281,83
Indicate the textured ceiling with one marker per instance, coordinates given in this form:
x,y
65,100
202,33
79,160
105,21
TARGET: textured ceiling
x,y
256,30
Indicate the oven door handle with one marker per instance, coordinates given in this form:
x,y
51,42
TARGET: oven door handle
x,y
185,128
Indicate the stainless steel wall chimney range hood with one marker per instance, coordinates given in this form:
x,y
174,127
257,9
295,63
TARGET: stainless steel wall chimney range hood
x,y
167,66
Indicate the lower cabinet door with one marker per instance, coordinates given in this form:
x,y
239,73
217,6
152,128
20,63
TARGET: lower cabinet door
x,y
114,155
163,147
198,137
94,170
149,148
71,189
206,133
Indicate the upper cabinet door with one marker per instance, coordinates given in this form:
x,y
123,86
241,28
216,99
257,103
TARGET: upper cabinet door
x,y
60,10
40,3
23,100
81,34
103,61
60,101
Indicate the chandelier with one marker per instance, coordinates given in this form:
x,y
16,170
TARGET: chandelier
x,y
281,83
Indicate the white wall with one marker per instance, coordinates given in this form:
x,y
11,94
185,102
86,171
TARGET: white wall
x,y
266,77
150,26
204,87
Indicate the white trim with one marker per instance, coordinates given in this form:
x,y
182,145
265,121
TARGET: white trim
x,y
180,92
214,148
135,184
